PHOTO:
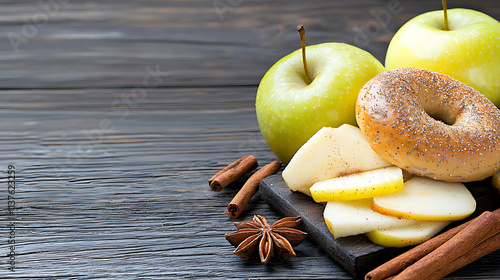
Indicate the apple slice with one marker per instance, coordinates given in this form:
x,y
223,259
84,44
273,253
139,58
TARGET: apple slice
x,y
345,218
413,234
329,153
428,200
378,182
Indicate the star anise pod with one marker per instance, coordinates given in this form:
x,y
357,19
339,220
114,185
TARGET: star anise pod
x,y
272,240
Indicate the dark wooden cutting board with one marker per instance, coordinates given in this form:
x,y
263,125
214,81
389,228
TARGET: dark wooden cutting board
x,y
357,254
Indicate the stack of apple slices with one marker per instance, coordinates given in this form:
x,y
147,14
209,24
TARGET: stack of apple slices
x,y
365,194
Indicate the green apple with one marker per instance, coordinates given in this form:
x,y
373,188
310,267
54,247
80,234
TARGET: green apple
x,y
345,218
290,110
413,234
329,153
427,200
378,182
468,51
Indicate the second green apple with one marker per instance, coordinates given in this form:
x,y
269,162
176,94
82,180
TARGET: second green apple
x,y
469,50
290,110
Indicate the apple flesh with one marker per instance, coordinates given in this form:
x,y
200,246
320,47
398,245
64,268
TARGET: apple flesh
x,y
469,51
428,200
329,153
378,182
290,111
413,234
346,218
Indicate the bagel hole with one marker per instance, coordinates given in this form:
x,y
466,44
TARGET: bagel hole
x,y
441,116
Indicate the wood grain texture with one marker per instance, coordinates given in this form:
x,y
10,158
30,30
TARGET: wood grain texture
x,y
116,113
132,201
82,44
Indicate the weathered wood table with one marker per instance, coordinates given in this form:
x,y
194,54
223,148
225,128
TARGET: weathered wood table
x,y
114,114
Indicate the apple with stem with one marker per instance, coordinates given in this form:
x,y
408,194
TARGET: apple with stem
x,y
461,43
298,96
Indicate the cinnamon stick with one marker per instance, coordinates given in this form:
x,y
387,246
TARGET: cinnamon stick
x,y
250,187
399,263
484,248
479,230
232,172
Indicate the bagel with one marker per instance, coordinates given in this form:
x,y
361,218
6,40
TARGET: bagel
x,y
430,124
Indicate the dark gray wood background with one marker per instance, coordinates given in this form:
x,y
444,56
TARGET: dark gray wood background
x,y
116,113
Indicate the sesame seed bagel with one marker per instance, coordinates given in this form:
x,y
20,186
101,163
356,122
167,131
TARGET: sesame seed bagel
x,y
430,125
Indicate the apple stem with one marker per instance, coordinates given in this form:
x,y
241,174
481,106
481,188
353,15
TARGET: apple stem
x,y
302,31
445,16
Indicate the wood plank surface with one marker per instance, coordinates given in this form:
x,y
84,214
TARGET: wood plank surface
x,y
132,201
114,114
76,43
